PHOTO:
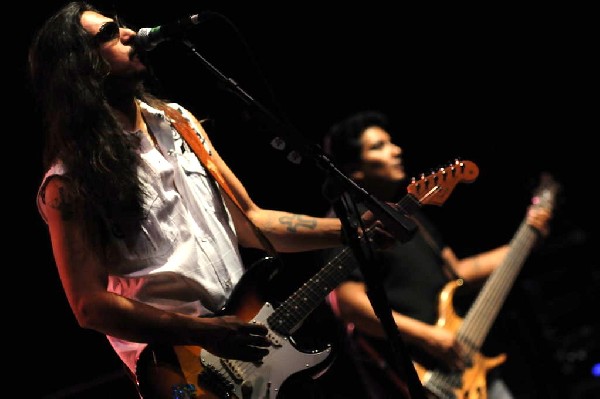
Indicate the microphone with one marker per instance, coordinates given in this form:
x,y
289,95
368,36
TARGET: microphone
x,y
148,38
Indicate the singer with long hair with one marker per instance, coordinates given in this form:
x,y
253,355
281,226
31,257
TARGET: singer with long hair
x,y
145,219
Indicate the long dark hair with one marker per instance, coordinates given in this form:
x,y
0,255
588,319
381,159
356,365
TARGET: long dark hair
x,y
68,80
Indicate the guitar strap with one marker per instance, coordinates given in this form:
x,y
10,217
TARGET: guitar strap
x,y
447,268
191,137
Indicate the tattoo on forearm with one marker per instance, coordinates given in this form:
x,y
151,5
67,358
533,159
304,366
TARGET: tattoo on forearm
x,y
293,222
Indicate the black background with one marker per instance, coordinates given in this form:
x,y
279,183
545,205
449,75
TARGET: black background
x,y
509,88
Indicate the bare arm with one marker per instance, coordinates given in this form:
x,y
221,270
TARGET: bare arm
x,y
288,232
84,279
478,267
355,307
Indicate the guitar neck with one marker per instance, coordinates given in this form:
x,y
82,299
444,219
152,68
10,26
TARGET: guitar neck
x,y
484,310
492,296
289,315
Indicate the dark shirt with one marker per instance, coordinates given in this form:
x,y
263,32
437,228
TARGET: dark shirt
x,y
412,274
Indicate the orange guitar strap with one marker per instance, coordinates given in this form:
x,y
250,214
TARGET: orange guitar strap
x,y
190,136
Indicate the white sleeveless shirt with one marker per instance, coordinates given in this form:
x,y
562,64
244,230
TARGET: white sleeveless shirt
x,y
187,257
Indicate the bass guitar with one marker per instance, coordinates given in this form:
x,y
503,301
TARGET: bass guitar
x,y
473,329
210,377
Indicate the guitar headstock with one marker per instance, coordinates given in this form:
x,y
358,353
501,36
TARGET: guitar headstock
x,y
435,188
545,194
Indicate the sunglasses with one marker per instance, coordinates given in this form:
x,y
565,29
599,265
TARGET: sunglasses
x,y
107,32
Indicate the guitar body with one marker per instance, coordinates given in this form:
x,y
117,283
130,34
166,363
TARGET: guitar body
x,y
471,382
214,378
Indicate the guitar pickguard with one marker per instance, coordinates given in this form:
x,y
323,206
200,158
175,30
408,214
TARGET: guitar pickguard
x,y
267,377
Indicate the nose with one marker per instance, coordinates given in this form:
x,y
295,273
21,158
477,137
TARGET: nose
x,y
127,35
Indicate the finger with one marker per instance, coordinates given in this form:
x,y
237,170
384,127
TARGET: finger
x,y
256,329
382,238
257,340
251,354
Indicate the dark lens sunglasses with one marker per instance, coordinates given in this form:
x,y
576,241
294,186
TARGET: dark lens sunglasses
x,y
108,31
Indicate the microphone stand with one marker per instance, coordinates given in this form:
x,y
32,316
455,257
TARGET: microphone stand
x,y
343,204
338,184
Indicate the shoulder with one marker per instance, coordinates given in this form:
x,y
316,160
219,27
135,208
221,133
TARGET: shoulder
x,y
55,198
181,110
191,119
170,110
176,111
53,179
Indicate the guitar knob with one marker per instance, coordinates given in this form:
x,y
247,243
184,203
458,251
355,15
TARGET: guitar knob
x,y
246,390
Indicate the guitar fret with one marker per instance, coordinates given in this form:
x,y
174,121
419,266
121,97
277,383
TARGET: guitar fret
x,y
288,315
